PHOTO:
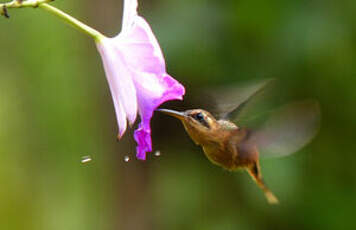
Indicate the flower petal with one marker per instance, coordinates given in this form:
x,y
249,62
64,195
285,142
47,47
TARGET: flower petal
x,y
152,91
141,48
120,116
136,72
145,60
130,11
142,136
120,82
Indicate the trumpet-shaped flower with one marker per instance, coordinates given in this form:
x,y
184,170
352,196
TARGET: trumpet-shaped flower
x,y
136,73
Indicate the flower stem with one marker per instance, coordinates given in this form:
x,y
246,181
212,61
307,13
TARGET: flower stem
x,y
72,21
96,35
21,3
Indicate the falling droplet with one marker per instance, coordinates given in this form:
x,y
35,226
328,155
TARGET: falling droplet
x,y
86,159
157,153
126,158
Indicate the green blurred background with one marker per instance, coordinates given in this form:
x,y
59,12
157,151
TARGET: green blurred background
x,y
55,107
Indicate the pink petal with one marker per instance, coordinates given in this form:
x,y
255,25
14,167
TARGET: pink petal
x,y
136,72
141,48
153,85
120,82
142,136
120,116
152,91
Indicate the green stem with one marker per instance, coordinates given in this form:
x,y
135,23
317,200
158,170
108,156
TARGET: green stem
x,y
55,11
72,21
20,3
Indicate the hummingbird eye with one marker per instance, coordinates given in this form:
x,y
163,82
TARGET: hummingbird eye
x,y
201,119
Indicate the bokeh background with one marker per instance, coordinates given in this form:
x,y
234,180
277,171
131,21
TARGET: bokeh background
x,y
55,107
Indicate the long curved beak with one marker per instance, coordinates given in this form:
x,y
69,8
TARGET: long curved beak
x,y
173,113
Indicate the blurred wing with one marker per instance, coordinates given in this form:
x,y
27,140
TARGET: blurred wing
x,y
287,130
232,101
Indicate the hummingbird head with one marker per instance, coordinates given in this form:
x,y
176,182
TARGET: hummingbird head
x,y
199,124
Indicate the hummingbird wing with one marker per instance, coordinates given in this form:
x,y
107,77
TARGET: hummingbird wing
x,y
232,102
287,129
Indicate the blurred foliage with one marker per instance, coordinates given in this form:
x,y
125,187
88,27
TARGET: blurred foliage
x,y
55,107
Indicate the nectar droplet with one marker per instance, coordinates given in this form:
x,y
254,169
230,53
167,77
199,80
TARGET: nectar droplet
x,y
86,159
157,153
126,158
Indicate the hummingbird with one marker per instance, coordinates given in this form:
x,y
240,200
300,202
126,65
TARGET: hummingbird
x,y
235,147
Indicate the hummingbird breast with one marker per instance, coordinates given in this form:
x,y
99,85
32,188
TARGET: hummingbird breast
x,y
221,143
230,151
222,149
221,156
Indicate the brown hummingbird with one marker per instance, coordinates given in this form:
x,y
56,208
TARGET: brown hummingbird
x,y
233,147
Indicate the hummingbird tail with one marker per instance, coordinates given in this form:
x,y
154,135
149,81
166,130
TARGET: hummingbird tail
x,y
271,198
255,173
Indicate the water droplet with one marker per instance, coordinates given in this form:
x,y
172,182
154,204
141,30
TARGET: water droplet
x,y
86,159
126,158
157,153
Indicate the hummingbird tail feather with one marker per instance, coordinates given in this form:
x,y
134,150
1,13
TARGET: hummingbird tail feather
x,y
271,198
255,173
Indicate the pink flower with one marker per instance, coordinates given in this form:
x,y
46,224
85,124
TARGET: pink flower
x,y
136,73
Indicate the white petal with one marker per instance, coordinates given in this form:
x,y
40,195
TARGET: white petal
x,y
130,11
119,78
120,116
